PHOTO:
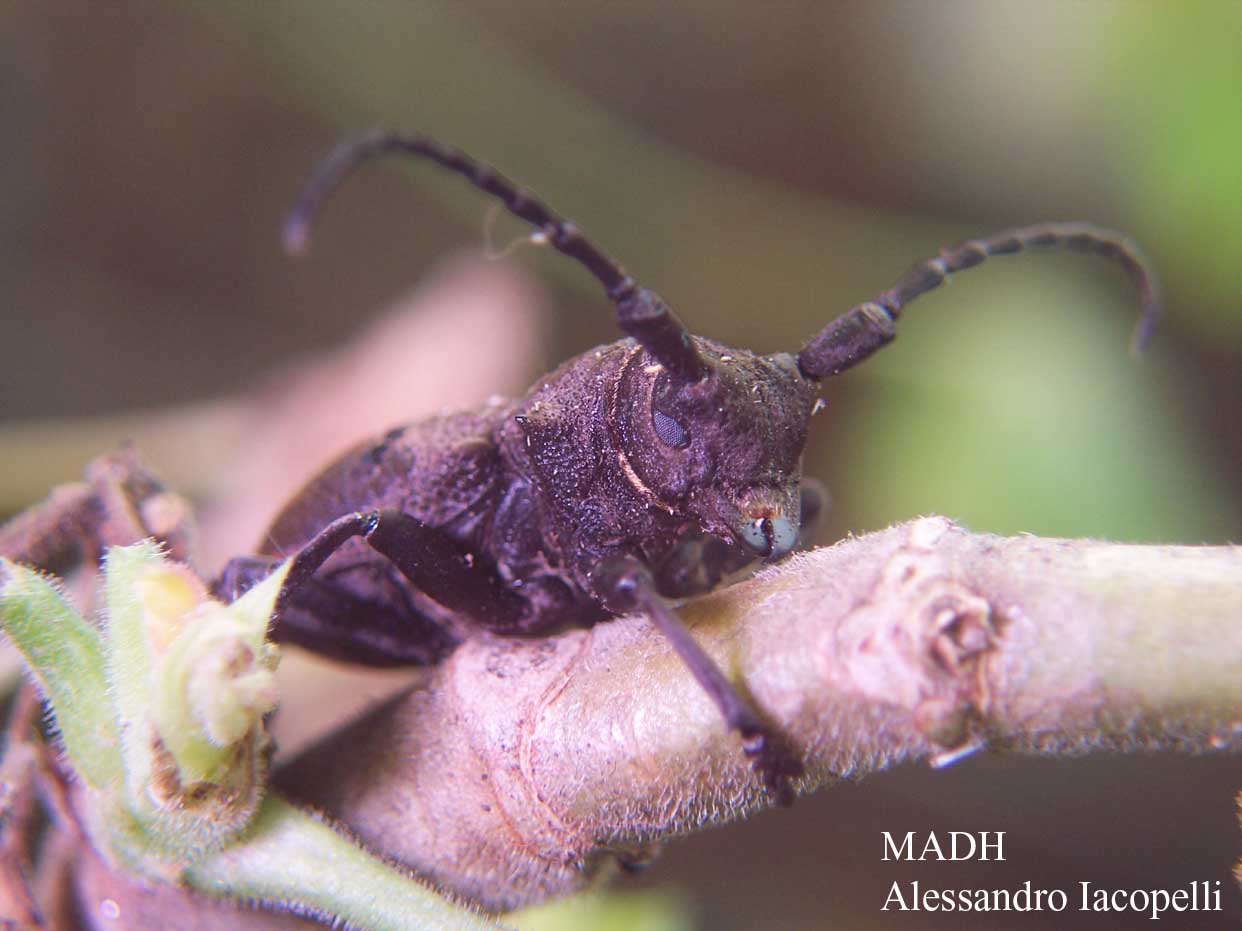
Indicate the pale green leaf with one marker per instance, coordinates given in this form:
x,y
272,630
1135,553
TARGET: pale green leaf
x,y
66,657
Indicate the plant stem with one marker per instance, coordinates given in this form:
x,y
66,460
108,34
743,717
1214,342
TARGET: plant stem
x,y
290,858
524,766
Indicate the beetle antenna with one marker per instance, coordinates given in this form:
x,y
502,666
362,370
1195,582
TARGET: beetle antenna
x,y
640,312
865,328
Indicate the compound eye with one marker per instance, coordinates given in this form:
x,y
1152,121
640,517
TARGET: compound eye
x,y
669,431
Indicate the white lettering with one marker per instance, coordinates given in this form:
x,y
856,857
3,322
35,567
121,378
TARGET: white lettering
x,y
932,845
962,845
1152,902
895,893
985,845
904,852
954,836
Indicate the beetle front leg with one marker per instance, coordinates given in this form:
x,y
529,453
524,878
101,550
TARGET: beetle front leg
x,y
627,585
437,564
359,622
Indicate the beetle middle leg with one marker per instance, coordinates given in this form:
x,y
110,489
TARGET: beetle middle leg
x,y
627,584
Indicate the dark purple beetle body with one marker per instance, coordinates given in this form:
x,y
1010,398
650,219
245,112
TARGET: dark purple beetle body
x,y
548,488
647,469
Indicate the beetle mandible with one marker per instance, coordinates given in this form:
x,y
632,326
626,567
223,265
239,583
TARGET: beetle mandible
x,y
645,470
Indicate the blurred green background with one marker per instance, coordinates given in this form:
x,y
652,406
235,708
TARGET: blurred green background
x,y
764,166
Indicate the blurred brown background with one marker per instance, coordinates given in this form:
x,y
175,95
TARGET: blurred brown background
x,y
764,166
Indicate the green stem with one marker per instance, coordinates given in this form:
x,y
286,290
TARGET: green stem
x,y
289,857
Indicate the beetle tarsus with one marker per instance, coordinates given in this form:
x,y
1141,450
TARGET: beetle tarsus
x,y
774,763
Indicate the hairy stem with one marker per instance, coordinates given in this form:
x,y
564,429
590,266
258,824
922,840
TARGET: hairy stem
x,y
292,859
525,766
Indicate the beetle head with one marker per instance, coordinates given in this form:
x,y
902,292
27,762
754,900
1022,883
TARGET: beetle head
x,y
724,450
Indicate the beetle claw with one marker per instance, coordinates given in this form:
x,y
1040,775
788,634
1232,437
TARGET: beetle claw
x,y
774,762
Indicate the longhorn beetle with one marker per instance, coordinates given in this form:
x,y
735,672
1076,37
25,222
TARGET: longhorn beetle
x,y
641,471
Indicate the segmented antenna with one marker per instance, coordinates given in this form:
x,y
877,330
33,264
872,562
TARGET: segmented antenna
x,y
640,312
865,328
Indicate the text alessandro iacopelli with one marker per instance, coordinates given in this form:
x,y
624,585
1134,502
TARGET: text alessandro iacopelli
x,y
1202,896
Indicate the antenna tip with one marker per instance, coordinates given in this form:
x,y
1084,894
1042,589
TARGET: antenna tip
x,y
295,237
1144,329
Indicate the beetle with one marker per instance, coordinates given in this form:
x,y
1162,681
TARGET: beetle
x,y
640,472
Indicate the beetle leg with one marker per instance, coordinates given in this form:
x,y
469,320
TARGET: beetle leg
x,y
434,562
446,570
318,611
627,585
357,614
